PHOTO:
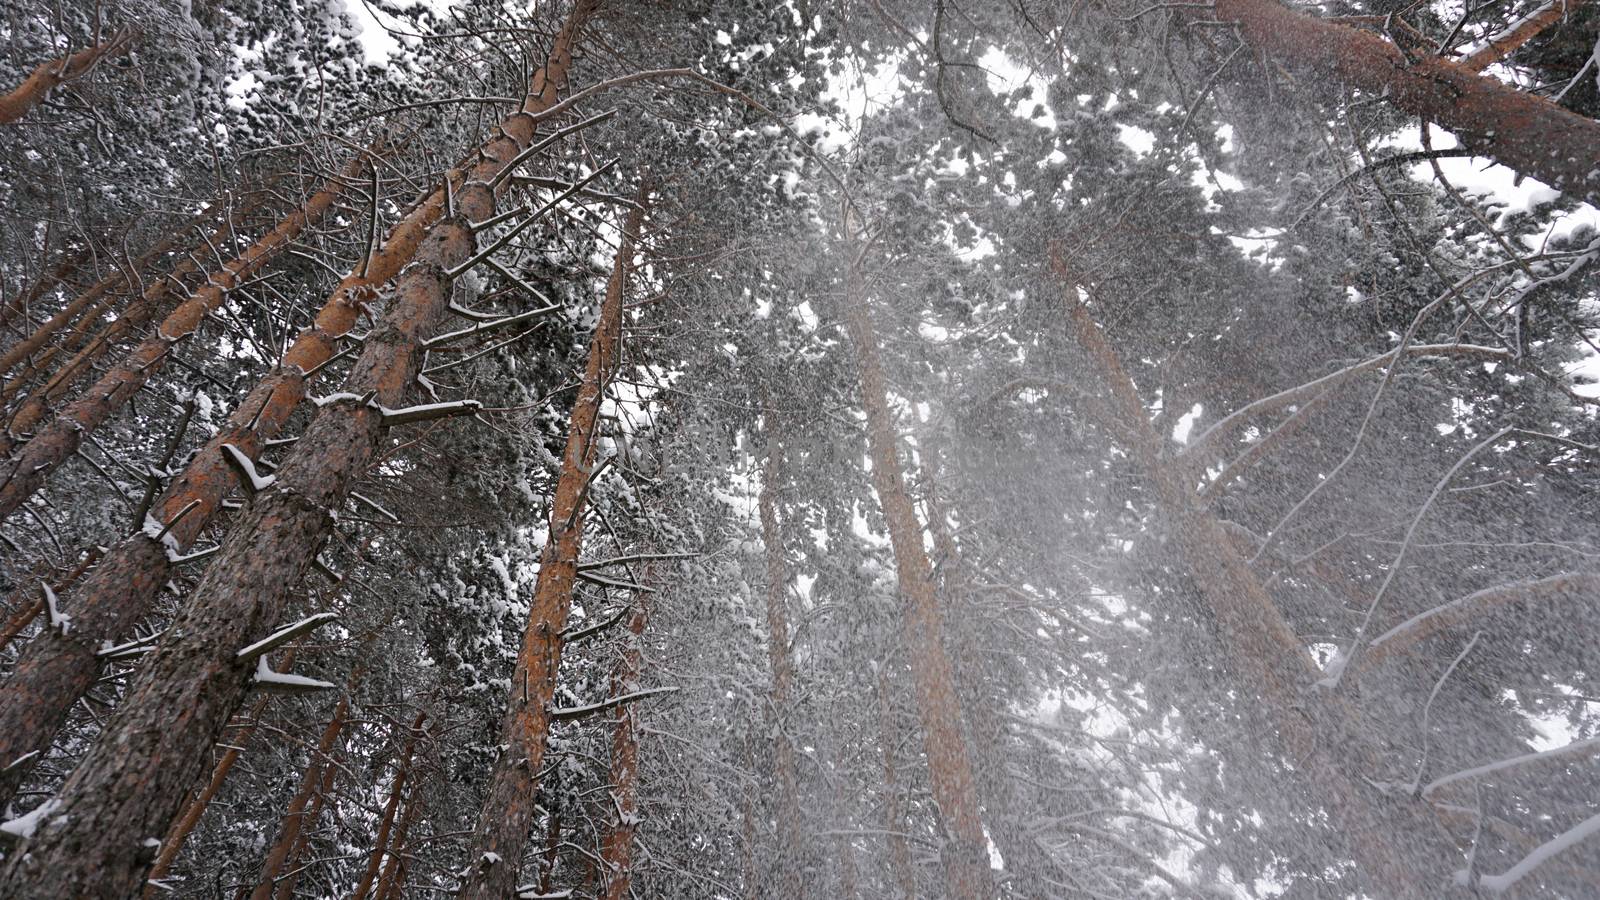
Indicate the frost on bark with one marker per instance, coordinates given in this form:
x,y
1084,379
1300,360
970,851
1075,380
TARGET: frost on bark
x,y
134,779
508,809
965,852
50,75
1520,131
33,464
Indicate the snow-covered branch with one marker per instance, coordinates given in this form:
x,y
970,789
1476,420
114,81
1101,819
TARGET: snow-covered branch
x,y
1541,854
252,481
284,635
428,411
574,712
1426,624
268,680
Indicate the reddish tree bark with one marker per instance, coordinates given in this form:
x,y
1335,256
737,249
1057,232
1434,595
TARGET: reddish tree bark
x,y
50,75
1493,119
965,852
392,882
507,814
133,780
178,835
103,295
33,464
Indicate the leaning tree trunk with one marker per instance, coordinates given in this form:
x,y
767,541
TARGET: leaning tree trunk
x,y
616,849
507,814
791,852
88,351
49,75
134,778
965,852
397,787
1400,851
123,589
61,665
98,300
278,856
178,834
33,464
1493,119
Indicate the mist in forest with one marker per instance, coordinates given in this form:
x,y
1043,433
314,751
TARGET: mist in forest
x,y
865,449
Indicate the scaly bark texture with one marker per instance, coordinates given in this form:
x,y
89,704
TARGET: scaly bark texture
x,y
791,852
51,675
1400,850
508,810
1493,119
49,75
133,780
616,849
965,851
33,464
294,817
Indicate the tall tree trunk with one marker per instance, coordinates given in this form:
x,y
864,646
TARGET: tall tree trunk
x,y
133,780
616,850
1520,131
380,843
392,882
50,75
34,463
59,667
294,816
965,851
502,829
292,869
792,856
1401,850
